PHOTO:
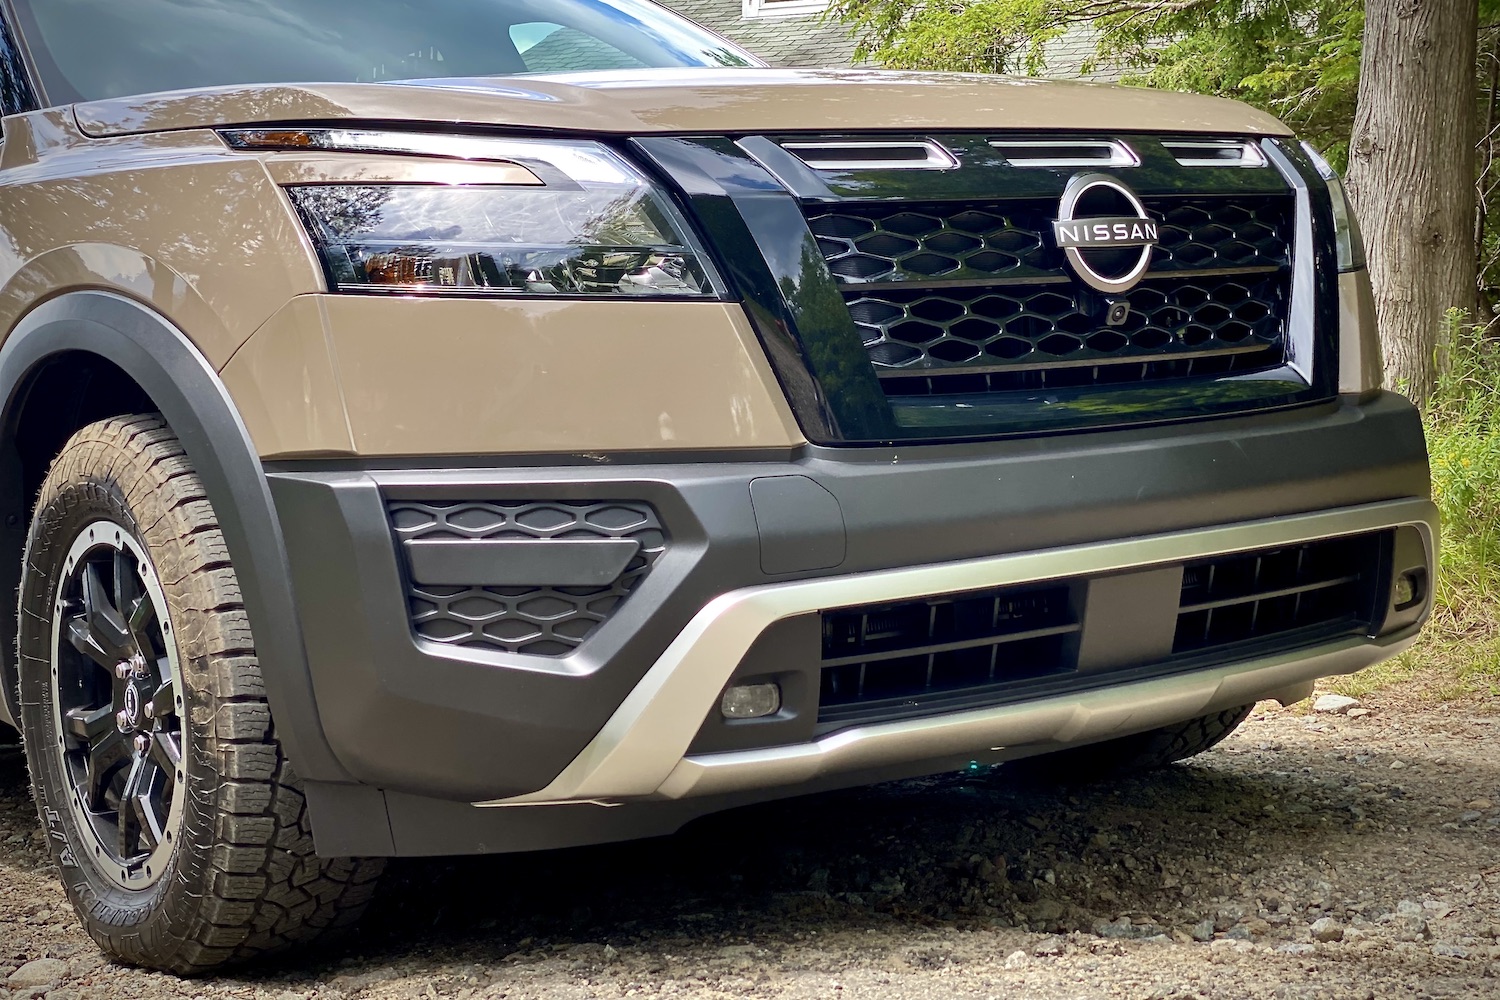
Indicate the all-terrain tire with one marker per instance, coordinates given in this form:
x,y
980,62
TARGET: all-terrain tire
x,y
1129,754
242,878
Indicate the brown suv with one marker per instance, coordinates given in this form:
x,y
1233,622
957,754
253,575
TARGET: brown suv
x,y
557,426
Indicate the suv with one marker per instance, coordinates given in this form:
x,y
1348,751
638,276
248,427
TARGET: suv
x,y
557,427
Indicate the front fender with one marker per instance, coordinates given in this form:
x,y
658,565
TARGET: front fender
x,y
189,394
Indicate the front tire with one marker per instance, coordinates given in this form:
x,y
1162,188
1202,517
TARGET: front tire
x,y
176,821
1131,754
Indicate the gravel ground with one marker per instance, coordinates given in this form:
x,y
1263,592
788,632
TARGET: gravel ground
x,y
1309,856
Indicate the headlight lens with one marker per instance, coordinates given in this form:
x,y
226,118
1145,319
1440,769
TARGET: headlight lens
x,y
1351,244
595,226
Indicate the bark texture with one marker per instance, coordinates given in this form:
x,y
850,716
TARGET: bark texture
x,y
1411,175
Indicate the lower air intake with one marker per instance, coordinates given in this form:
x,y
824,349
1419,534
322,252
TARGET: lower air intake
x,y
877,658
1319,586
953,652
537,618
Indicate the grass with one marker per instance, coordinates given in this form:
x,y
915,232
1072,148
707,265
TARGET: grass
x,y
1458,654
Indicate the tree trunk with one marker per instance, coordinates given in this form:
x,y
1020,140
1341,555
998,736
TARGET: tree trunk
x,y
1411,175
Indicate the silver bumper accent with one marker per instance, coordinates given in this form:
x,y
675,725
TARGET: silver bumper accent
x,y
642,752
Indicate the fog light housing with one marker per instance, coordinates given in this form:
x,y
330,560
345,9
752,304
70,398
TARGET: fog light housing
x,y
751,701
1408,589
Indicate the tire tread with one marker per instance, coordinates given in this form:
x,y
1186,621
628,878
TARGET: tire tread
x,y
260,885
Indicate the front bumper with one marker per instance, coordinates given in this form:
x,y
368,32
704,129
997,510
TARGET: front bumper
x,y
645,749
618,718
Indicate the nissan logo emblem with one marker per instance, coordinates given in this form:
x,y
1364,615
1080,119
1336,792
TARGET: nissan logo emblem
x,y
1104,230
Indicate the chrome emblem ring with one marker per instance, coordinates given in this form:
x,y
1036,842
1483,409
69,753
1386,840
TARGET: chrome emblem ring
x,y
1106,233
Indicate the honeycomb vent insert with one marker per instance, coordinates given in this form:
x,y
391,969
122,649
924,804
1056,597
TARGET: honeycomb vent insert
x,y
538,620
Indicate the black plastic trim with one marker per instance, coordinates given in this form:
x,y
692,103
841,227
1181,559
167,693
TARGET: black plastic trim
x,y
473,562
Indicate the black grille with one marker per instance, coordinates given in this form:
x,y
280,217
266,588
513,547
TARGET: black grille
x,y
977,649
885,243
954,643
536,621
974,298
1051,335
1244,598
1222,232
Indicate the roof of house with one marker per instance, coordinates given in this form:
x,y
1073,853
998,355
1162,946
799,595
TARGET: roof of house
x,y
798,40
806,40
1068,54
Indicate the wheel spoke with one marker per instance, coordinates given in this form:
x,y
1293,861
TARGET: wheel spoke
x,y
146,808
142,617
127,584
89,725
130,812
105,626
82,639
166,751
104,762
164,701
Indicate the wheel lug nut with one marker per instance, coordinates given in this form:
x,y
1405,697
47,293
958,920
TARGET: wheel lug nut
x,y
124,669
142,743
122,719
148,710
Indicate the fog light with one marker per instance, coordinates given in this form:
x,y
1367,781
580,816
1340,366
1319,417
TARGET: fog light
x,y
751,701
1408,589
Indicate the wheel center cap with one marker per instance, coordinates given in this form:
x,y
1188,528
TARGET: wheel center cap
x,y
133,706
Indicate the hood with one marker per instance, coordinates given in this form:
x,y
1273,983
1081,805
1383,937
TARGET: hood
x,y
695,100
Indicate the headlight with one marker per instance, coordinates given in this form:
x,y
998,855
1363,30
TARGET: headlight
x,y
1351,244
594,226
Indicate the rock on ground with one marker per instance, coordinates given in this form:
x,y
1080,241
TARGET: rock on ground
x,y
1335,704
40,972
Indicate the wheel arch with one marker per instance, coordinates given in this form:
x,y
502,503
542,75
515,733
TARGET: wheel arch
x,y
85,352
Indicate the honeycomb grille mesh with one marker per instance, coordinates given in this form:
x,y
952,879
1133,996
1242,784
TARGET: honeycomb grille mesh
x,y
535,621
974,298
1046,335
885,243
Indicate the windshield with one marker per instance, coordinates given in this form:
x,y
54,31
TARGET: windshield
x,y
92,49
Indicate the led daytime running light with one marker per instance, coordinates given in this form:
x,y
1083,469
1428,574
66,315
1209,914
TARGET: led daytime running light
x,y
581,161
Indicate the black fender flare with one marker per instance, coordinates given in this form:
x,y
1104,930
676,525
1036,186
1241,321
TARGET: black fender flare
x,y
190,396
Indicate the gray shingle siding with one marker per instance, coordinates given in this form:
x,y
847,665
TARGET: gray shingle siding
x,y
1067,55
805,40
802,40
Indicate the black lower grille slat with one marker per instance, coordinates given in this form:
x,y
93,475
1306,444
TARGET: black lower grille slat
x,y
1242,598
987,642
939,644
944,653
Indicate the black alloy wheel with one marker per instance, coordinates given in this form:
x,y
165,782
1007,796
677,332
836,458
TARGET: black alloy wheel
x,y
120,725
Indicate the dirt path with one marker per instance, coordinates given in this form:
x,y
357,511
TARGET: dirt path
x,y
1202,881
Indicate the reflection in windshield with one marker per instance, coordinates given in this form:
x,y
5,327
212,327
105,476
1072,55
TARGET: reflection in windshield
x,y
92,49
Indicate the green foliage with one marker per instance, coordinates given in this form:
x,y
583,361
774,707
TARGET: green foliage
x,y
1460,651
1463,429
1298,59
